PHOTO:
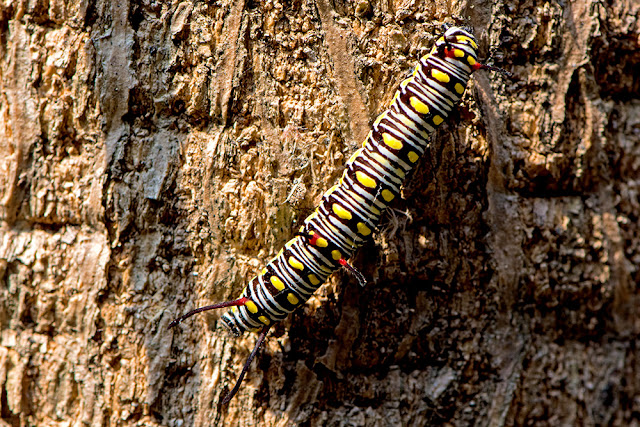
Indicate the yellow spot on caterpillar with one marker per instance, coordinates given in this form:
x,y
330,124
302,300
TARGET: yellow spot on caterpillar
x,y
354,155
365,180
437,120
459,88
280,253
379,119
465,38
471,61
314,280
251,306
264,271
363,229
264,320
387,195
322,243
336,254
295,263
405,82
458,53
364,143
395,96
234,309
440,76
341,212
331,190
391,141
277,283
413,156
418,105
292,299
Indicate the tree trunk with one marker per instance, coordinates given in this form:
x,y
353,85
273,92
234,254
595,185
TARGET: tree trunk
x,y
155,156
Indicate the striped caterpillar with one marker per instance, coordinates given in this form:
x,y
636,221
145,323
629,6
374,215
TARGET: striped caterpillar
x,y
351,209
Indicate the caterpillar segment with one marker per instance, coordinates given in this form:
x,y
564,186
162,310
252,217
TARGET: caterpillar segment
x,y
350,211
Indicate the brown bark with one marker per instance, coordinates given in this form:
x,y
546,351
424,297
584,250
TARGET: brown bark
x,y
154,156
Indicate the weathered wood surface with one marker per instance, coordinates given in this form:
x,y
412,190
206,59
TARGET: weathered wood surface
x,y
154,155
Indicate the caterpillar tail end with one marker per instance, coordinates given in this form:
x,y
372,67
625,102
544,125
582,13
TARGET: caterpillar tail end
x,y
230,324
233,328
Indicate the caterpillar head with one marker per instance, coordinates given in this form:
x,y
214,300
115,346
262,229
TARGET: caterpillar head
x,y
458,44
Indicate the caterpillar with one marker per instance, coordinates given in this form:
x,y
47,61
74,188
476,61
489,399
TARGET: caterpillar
x,y
350,210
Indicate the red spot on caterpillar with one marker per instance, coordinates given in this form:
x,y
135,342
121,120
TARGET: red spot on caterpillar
x,y
313,239
449,53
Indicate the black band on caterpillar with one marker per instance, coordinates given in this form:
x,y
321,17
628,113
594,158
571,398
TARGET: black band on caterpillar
x,y
350,210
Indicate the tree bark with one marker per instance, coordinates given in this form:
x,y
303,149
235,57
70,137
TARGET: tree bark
x,y
155,155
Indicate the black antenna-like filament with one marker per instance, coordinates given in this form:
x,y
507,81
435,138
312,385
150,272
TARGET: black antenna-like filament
x,y
359,276
236,387
263,334
446,50
239,301
492,68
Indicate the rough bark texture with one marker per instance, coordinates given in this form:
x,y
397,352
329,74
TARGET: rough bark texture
x,y
154,155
